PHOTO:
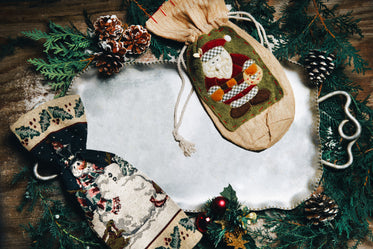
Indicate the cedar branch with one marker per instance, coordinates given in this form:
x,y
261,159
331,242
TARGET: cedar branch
x,y
321,19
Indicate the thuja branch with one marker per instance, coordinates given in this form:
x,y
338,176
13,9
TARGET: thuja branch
x,y
321,18
143,10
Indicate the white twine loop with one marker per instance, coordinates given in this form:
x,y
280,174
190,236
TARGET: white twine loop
x,y
40,177
261,32
353,138
186,146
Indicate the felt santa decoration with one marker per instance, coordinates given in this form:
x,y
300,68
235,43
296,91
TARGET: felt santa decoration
x,y
231,79
239,82
122,205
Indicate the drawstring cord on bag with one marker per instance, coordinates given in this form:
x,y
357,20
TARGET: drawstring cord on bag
x,y
261,32
186,146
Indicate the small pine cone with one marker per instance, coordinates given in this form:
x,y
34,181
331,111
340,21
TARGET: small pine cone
x,y
319,64
320,208
136,39
109,63
108,27
115,47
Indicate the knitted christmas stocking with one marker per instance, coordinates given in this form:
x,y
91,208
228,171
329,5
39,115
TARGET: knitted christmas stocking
x,y
122,205
239,82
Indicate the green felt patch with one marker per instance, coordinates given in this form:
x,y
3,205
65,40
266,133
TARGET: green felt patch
x,y
237,45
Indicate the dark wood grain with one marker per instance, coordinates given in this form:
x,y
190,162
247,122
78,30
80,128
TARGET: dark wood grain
x,y
19,85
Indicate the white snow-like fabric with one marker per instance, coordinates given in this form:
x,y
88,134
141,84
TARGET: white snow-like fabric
x,y
131,114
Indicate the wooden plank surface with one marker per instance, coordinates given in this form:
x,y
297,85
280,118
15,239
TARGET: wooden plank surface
x,y
20,85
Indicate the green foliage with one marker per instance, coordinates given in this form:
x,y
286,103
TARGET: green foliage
x,y
233,220
139,11
302,26
350,188
60,226
66,54
229,193
328,31
262,12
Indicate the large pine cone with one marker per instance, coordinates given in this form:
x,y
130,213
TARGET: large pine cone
x,y
136,39
319,64
320,208
109,63
108,27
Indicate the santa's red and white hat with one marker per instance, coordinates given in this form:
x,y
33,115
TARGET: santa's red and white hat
x,y
212,48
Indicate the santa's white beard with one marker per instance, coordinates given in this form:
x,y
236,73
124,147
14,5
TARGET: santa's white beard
x,y
220,66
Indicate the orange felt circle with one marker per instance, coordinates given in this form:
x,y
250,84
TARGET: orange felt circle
x,y
217,95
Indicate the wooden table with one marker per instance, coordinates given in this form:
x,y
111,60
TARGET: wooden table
x,y
20,84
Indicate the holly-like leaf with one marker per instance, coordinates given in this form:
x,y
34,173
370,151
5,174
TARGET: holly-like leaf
x,y
175,238
58,112
229,193
127,168
26,132
44,120
79,108
187,224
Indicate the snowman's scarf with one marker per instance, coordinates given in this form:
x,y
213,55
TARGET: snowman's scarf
x,y
92,190
86,180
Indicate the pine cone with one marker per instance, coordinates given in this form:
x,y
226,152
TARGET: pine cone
x,y
136,39
115,47
109,63
108,27
319,64
320,208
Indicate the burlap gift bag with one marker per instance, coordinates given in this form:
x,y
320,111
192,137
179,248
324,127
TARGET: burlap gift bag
x,y
122,205
239,82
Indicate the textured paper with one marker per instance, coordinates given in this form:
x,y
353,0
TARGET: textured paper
x,y
131,114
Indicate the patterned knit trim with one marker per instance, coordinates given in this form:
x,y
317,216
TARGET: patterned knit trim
x,y
37,124
179,233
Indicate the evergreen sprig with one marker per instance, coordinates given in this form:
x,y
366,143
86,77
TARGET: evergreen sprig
x,y
324,30
66,51
235,220
304,25
60,225
139,11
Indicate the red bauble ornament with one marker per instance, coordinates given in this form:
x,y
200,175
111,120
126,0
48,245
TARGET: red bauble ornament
x,y
219,205
202,221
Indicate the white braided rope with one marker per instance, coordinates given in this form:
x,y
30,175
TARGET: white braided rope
x,y
261,32
353,138
187,147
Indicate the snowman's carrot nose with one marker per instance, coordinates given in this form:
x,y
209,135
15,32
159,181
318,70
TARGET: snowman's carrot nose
x,y
82,165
